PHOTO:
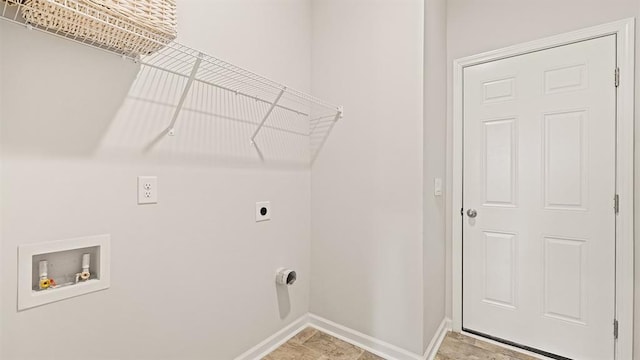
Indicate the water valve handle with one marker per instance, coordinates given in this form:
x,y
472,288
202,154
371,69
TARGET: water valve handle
x,y
43,267
86,262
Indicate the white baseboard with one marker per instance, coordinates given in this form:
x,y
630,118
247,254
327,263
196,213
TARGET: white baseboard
x,y
436,341
364,341
376,346
371,344
274,341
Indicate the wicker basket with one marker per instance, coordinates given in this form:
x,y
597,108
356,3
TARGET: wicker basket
x,y
131,27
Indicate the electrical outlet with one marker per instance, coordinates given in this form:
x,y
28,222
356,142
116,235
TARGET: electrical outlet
x,y
147,190
263,211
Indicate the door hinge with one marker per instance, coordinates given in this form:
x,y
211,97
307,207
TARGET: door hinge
x,y
617,77
615,329
616,203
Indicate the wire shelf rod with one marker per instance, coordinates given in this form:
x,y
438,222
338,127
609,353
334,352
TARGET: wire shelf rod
x,y
235,92
215,68
248,122
178,63
239,93
324,139
266,116
183,97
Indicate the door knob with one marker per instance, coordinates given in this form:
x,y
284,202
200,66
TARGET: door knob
x,y
472,213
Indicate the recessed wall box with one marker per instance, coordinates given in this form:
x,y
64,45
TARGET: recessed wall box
x,y
66,268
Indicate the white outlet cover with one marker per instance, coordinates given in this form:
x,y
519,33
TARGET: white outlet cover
x,y
263,211
147,190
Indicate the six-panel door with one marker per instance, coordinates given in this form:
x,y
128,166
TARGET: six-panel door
x,y
539,169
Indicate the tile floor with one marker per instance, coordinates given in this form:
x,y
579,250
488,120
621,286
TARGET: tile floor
x,y
457,347
311,344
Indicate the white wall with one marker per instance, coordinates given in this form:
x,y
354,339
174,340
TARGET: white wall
x,y
478,26
192,277
435,129
367,208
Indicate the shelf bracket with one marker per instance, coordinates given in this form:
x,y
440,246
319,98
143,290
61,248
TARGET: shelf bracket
x,y
266,116
171,129
339,115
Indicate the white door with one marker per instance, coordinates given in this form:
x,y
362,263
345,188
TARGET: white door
x,y
539,171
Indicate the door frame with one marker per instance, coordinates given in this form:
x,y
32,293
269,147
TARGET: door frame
x,y
625,46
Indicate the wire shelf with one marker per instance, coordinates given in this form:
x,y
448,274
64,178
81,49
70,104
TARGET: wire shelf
x,y
279,107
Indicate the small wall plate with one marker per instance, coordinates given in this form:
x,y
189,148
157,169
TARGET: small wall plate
x,y
263,211
147,190
28,297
